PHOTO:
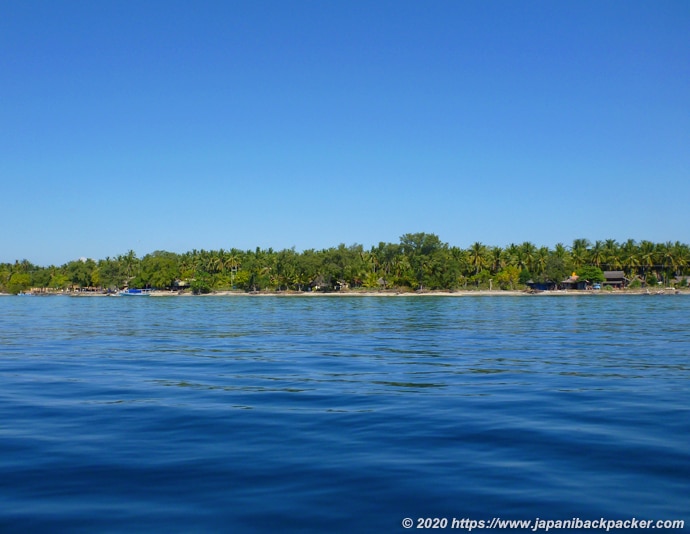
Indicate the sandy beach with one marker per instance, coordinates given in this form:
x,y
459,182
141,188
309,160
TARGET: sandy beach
x,y
387,294
415,294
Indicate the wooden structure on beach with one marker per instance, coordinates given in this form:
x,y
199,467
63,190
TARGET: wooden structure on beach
x,y
615,279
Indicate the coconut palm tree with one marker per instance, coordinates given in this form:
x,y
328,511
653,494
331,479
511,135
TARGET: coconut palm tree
x,y
514,256
580,252
671,259
477,256
612,254
596,254
371,260
561,252
630,258
498,259
215,262
232,261
648,256
461,259
129,263
529,251
681,252
541,258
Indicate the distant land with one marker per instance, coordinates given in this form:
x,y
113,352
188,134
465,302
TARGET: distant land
x,y
419,262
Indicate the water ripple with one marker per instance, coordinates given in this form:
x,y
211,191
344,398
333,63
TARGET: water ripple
x,y
302,414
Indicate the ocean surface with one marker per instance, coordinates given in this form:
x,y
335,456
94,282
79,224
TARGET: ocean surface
x,y
327,414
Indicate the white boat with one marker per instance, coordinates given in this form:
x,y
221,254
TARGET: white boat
x,y
135,292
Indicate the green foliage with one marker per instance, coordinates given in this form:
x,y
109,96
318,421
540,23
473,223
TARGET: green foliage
x,y
18,283
419,260
371,281
591,274
481,279
137,282
58,281
111,273
222,281
525,276
79,272
420,244
5,274
424,252
40,278
243,279
158,270
556,270
201,285
508,278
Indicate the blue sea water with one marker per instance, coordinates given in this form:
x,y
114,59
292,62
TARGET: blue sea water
x,y
325,414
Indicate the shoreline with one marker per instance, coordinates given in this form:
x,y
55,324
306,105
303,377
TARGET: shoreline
x,y
387,294
378,294
415,294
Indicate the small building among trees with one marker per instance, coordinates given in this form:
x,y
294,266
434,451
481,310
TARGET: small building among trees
x,y
615,279
574,282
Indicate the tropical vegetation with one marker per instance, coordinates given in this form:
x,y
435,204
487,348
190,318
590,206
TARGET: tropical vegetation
x,y
419,261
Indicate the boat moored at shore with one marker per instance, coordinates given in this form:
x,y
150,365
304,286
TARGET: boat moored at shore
x,y
135,292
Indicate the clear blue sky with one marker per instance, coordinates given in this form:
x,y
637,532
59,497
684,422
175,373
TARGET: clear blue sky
x,y
168,125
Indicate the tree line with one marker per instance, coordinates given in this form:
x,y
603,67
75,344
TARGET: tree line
x,y
418,261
